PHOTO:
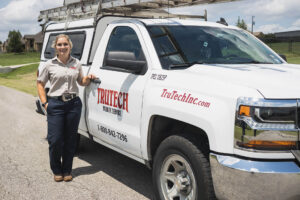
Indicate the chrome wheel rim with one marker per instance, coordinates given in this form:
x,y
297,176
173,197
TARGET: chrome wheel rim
x,y
177,179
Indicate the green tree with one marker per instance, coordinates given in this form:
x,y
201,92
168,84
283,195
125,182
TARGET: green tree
x,y
14,42
241,24
270,37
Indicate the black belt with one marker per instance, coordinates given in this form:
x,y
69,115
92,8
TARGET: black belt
x,y
65,97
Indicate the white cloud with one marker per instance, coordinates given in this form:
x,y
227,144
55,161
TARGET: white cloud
x,y
273,28
272,9
22,15
270,15
294,27
263,10
270,28
297,23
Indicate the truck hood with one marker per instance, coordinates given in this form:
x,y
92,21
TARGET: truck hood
x,y
273,81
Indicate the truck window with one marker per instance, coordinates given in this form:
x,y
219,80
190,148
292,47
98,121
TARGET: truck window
x,y
178,45
78,40
124,38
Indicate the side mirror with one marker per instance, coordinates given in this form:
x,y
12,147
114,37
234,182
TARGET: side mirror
x,y
283,57
125,60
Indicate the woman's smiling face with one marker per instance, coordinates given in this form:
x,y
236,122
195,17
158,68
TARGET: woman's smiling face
x,y
63,47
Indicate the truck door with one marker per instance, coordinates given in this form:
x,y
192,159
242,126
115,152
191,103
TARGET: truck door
x,y
114,107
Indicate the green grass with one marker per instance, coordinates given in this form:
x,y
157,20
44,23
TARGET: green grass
x,y
7,59
294,59
23,79
292,52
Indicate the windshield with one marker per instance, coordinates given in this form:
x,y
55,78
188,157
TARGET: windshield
x,y
187,45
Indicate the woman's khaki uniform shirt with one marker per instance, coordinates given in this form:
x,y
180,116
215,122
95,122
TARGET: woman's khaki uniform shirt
x,y
62,77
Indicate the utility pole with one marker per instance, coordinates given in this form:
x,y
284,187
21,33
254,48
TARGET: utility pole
x,y
252,24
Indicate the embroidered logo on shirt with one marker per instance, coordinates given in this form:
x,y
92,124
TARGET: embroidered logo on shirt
x,y
72,67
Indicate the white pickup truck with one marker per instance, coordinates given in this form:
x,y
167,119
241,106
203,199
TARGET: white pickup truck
x,y
211,109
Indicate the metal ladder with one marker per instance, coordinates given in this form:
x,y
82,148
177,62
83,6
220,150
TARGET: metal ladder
x,y
80,9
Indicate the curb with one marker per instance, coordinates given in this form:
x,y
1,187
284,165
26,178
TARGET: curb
x,y
7,69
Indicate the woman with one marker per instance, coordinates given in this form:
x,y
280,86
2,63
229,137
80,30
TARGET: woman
x,y
63,106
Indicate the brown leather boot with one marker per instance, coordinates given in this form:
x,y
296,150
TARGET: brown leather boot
x,y
68,177
58,177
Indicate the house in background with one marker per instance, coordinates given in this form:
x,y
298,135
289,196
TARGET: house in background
x,y
33,42
30,43
288,36
258,34
3,47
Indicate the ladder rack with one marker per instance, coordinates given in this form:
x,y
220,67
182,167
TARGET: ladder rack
x,y
80,9
93,8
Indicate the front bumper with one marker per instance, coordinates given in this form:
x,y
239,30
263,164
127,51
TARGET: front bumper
x,y
238,179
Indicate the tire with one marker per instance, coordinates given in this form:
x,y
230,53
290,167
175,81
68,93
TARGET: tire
x,y
181,171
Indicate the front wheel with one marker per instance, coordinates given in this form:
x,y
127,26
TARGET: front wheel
x,y
181,171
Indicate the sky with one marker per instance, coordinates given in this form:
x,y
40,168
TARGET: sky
x,y
22,15
270,15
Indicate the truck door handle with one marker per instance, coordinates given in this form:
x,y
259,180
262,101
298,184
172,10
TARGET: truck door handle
x,y
97,80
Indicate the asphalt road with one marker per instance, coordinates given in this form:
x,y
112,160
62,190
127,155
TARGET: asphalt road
x,y
99,173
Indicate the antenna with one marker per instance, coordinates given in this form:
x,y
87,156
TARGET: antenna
x,y
252,24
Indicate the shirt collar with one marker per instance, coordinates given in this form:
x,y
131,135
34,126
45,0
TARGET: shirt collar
x,y
70,59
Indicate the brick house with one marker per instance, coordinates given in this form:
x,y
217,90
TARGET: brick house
x,y
33,42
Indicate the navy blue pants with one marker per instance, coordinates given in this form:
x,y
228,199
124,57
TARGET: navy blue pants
x,y
63,120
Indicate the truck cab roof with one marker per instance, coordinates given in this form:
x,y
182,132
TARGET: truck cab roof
x,y
70,25
148,22
173,22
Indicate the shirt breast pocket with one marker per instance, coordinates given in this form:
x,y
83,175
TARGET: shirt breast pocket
x,y
74,73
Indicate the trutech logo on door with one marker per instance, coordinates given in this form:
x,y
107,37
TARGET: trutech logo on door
x,y
115,99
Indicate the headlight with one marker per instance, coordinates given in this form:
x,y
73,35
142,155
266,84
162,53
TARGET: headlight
x,y
267,124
